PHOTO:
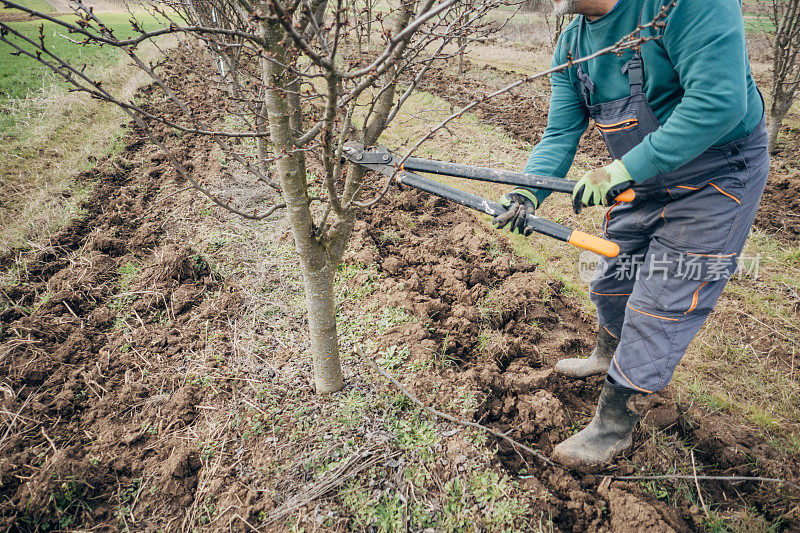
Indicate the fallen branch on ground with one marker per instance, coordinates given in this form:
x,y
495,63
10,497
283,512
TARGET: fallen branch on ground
x,y
546,460
731,479
456,420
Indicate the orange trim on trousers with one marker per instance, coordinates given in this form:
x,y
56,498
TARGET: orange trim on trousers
x,y
654,316
621,373
729,195
695,296
609,332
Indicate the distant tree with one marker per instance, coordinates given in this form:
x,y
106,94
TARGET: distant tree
x,y
533,6
560,23
782,19
545,7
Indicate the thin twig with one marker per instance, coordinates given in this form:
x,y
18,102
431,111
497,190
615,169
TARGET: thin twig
x,y
730,479
70,310
459,421
697,485
16,415
355,464
248,524
52,444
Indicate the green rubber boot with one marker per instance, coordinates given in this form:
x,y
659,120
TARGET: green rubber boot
x,y
609,432
597,363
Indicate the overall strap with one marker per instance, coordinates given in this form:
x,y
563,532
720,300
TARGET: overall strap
x,y
635,71
635,67
587,85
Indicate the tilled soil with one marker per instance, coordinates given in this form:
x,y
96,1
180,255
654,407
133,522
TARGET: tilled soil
x,y
491,325
94,344
523,114
779,211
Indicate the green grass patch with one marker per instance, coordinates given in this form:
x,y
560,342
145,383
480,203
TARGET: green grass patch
x,y
42,6
22,76
49,136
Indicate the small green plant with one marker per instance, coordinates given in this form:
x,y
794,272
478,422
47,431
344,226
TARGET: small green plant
x,y
389,235
493,491
393,356
44,300
656,489
127,273
416,434
352,408
207,449
64,506
216,243
127,496
208,508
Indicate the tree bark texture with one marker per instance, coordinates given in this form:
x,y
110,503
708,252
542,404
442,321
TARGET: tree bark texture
x,y
317,268
785,71
773,128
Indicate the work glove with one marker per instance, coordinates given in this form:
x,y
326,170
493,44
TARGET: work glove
x,y
520,203
601,186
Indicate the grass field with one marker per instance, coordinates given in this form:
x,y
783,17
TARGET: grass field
x,y
38,5
22,77
47,134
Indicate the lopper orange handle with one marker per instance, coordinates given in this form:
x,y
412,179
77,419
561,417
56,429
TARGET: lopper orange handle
x,y
594,244
626,196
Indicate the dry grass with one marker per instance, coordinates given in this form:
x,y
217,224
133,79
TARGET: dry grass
x,y
521,58
57,136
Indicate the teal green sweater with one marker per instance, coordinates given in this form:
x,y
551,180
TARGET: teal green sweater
x,y
697,79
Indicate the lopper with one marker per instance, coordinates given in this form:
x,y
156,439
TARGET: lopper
x,y
381,160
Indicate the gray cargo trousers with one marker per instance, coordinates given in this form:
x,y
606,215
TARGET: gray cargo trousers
x,y
680,242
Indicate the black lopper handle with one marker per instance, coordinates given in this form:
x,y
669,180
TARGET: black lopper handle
x,y
492,175
540,225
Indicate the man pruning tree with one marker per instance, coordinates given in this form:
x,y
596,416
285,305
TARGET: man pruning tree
x,y
683,122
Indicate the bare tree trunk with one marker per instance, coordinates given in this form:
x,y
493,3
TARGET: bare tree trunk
x,y
262,146
461,46
317,268
369,22
561,22
359,29
773,128
785,16
777,112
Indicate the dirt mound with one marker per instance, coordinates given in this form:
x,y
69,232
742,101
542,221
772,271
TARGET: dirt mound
x,y
488,323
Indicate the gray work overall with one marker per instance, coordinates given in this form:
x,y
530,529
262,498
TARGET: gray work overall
x,y
680,240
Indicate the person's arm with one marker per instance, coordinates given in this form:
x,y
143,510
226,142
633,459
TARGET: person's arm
x,y
705,41
566,122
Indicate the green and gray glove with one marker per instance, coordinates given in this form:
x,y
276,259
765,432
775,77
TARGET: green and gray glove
x,y
601,185
520,204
